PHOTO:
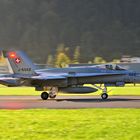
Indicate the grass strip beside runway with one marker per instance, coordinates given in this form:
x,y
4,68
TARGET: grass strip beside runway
x,y
87,124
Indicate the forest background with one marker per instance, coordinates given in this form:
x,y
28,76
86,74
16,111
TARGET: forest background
x,y
71,30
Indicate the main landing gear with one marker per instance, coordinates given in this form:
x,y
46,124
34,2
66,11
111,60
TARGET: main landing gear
x,y
52,93
44,95
104,94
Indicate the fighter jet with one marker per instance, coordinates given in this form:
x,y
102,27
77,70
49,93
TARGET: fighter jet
x,y
69,80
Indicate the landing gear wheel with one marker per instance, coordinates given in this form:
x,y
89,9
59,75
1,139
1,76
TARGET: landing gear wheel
x,y
104,96
52,96
44,95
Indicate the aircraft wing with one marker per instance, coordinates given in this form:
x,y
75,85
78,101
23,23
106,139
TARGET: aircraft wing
x,y
44,76
64,76
78,75
61,79
49,78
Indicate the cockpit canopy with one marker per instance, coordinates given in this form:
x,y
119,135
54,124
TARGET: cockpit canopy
x,y
111,67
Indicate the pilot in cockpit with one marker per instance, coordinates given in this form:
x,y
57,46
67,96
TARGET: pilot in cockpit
x,y
113,67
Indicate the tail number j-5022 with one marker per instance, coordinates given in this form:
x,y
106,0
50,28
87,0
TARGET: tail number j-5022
x,y
24,69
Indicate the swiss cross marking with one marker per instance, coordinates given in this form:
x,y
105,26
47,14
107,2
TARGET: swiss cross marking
x,y
17,60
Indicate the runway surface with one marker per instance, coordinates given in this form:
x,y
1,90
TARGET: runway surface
x,y
68,102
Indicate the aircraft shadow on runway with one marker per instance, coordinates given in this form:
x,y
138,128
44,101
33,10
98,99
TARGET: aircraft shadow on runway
x,y
99,100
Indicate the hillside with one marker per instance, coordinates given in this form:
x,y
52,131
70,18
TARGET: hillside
x,y
105,28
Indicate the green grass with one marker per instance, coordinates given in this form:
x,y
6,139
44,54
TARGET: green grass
x,y
128,90
84,124
125,91
18,91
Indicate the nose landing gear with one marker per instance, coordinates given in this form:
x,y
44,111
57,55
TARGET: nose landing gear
x,y
104,94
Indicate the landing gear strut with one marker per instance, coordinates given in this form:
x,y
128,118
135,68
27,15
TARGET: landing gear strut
x,y
53,92
52,96
104,94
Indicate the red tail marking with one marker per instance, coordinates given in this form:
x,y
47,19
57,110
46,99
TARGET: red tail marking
x,y
12,55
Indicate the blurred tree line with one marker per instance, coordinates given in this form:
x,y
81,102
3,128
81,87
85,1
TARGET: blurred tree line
x,y
106,28
62,57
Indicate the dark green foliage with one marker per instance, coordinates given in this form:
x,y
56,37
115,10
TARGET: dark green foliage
x,y
107,28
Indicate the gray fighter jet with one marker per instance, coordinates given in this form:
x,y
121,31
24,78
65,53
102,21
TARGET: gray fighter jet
x,y
68,80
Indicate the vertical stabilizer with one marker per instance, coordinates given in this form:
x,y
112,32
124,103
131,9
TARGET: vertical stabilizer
x,y
19,62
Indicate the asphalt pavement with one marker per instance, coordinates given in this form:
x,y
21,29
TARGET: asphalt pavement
x,y
68,102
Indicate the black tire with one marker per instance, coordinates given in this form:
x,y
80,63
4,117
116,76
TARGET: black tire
x,y
44,95
104,96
